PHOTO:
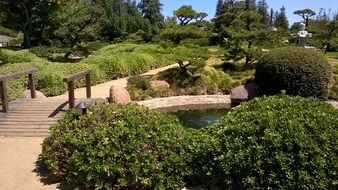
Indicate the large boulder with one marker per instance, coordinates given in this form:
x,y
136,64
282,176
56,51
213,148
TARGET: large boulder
x,y
39,95
334,104
119,95
244,93
159,84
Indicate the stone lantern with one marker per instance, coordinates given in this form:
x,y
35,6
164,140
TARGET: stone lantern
x,y
302,36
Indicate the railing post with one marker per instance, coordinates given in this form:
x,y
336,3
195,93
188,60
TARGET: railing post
x,y
71,95
88,86
3,94
32,85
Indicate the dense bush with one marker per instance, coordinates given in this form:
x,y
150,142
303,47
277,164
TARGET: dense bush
x,y
140,82
9,56
8,32
48,52
117,147
333,94
299,71
273,143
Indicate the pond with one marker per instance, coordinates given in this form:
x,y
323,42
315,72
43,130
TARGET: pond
x,y
200,118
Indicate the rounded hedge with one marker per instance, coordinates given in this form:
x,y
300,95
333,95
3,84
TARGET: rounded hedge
x,y
276,143
117,147
297,70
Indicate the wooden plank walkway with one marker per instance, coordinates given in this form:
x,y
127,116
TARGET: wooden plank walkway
x,y
34,117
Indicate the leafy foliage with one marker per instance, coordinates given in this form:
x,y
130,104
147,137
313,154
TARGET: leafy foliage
x,y
140,82
178,33
117,147
306,14
7,32
272,143
299,71
244,34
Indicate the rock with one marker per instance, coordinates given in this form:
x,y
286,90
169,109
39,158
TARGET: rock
x,y
157,84
39,95
119,95
244,93
334,104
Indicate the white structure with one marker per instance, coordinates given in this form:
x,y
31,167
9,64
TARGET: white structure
x,y
302,35
4,40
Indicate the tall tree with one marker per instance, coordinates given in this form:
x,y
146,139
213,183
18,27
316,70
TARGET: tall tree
x,y
151,10
306,14
219,8
262,9
200,16
79,22
281,19
232,9
272,16
250,5
185,14
245,32
28,16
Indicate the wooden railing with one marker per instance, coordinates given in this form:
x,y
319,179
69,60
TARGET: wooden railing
x,y
3,85
70,81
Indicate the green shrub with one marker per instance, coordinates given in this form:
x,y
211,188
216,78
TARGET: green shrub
x,y
8,32
299,71
48,52
277,142
117,147
9,56
139,82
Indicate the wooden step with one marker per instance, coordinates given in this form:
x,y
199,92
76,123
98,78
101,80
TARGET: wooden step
x,y
27,134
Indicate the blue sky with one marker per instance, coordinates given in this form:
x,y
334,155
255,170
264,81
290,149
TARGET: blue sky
x,y
209,6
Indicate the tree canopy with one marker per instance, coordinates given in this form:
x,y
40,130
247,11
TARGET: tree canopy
x,y
306,14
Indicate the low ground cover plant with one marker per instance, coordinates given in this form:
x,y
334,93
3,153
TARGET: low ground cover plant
x,y
297,70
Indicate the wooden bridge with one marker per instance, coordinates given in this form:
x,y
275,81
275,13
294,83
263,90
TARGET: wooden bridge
x,y
33,117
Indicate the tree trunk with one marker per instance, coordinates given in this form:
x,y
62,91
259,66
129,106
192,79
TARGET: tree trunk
x,y
328,46
247,58
27,26
27,42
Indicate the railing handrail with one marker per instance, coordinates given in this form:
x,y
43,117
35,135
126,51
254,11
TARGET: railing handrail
x,y
77,75
3,85
70,82
18,74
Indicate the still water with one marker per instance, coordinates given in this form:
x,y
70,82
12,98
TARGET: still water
x,y
200,118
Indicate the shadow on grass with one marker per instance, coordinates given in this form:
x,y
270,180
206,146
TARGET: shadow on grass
x,y
45,178
228,66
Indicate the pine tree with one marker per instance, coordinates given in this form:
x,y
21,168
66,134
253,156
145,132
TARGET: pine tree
x,y
250,5
151,10
219,8
262,9
281,19
272,16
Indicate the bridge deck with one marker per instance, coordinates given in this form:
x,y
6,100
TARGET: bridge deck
x,y
33,117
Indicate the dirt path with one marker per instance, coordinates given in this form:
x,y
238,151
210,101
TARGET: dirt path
x,y
102,90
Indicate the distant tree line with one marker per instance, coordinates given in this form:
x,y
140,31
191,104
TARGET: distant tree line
x,y
73,21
